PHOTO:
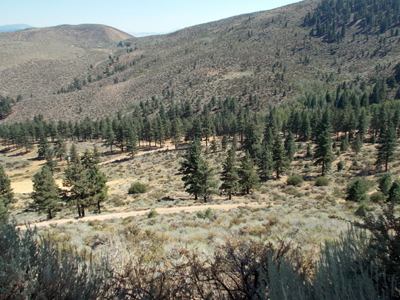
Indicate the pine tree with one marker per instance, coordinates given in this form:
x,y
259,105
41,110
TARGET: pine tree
x,y
229,175
387,147
3,211
110,139
394,192
356,191
59,148
344,146
357,144
131,146
43,147
214,145
6,192
264,161
323,151
176,132
73,155
86,182
248,177
45,192
290,146
279,160
207,185
363,124
224,143
50,162
190,169
385,182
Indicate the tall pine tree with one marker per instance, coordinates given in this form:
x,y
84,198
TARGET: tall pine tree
x,y
45,194
229,175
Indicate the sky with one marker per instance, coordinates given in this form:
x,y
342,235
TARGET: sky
x,y
128,15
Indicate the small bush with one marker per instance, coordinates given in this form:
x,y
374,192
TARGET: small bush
x,y
322,181
307,166
137,188
377,197
362,210
340,165
294,180
152,213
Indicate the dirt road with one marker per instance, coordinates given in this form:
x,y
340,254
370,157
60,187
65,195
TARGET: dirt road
x,y
160,210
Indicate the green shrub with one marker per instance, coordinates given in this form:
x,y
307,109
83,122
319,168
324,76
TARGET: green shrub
x,y
307,166
208,213
363,209
377,197
294,180
322,181
152,213
340,165
356,191
385,183
137,188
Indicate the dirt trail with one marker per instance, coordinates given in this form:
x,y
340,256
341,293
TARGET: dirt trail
x,y
160,210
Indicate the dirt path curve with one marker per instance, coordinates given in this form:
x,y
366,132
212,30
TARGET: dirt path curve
x,y
161,210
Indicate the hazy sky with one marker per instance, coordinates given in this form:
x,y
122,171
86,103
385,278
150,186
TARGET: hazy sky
x,y
128,15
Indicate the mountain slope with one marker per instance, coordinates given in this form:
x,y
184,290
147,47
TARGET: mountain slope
x,y
259,58
87,35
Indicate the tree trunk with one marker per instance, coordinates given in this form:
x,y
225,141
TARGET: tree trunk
x,y
195,197
229,195
323,168
98,206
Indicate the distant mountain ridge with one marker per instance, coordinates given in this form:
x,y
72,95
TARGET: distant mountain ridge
x,y
87,35
14,27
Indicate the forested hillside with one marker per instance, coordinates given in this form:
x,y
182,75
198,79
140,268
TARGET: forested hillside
x,y
254,157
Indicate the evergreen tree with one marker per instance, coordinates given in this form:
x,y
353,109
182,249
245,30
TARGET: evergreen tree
x,y
290,146
363,124
59,148
86,182
356,191
385,183
6,192
387,147
309,152
224,142
394,192
279,160
110,139
344,146
229,175
43,147
131,146
50,162
306,127
190,169
323,151
207,185
264,161
214,145
73,155
248,177
357,144
176,132
45,192
3,211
